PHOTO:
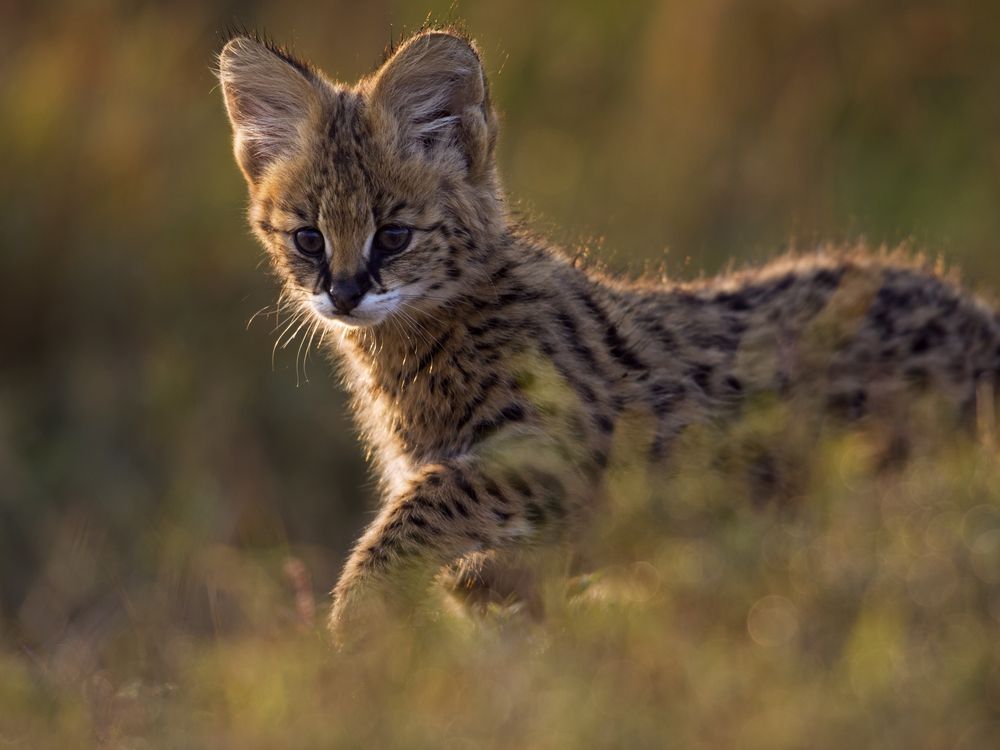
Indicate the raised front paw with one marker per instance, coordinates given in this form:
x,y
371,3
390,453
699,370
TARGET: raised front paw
x,y
355,616
374,608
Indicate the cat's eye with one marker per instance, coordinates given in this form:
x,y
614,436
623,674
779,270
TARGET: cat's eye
x,y
392,238
309,241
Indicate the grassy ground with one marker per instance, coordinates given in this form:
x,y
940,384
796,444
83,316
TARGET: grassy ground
x,y
849,605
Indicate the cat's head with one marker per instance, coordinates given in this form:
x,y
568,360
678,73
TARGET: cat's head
x,y
372,199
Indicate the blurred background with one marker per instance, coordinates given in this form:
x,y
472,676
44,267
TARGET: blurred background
x,y
152,459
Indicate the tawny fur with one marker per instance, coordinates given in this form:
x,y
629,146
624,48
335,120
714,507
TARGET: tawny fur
x,y
490,395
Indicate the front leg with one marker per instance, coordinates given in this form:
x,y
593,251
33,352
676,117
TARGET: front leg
x,y
447,511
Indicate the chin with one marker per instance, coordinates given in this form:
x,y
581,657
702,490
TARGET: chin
x,y
352,320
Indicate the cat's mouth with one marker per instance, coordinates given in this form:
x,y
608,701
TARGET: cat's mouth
x,y
371,310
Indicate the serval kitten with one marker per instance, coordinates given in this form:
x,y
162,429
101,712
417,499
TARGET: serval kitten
x,y
488,372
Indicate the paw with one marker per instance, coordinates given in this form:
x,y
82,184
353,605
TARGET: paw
x,y
373,612
356,617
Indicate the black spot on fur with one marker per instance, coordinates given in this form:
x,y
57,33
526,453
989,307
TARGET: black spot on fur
x,y
701,374
829,278
734,301
467,489
517,482
495,492
604,423
487,427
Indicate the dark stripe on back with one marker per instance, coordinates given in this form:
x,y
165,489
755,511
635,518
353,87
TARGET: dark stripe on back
x,y
612,338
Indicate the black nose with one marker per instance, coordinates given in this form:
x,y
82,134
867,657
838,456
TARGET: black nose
x,y
346,291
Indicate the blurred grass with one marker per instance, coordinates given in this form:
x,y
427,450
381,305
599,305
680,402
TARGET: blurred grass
x,y
156,474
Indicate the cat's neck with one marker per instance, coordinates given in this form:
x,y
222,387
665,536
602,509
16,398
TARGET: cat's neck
x,y
398,347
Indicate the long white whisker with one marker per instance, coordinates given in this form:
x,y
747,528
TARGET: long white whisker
x,y
265,311
278,338
305,359
413,324
295,333
298,355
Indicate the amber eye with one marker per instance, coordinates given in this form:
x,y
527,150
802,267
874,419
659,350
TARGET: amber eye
x,y
309,241
391,239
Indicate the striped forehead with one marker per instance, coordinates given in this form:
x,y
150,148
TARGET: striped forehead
x,y
345,186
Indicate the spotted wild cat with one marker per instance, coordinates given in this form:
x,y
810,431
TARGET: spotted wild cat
x,y
488,372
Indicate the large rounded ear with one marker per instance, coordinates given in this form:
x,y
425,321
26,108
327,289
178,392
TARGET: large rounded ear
x,y
436,91
269,97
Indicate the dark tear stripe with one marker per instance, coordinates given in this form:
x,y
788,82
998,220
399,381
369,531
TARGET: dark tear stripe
x,y
267,228
612,338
